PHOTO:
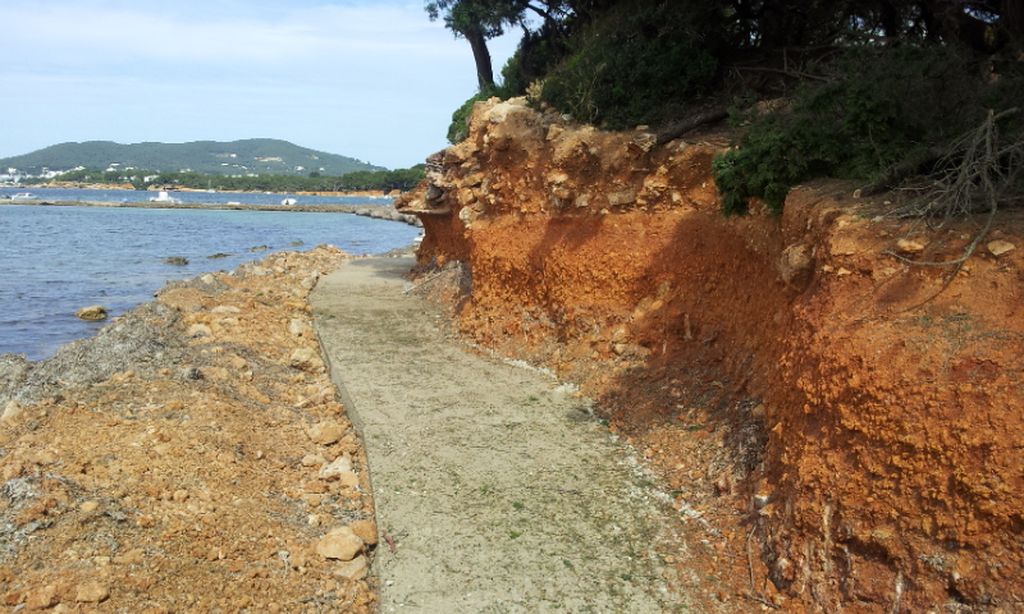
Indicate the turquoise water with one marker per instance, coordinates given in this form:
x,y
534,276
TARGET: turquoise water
x,y
58,259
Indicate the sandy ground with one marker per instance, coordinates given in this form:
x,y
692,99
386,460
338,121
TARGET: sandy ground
x,y
496,489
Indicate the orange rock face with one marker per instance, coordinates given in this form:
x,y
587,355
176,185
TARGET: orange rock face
x,y
848,418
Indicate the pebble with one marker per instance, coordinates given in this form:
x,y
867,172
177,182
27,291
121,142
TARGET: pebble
x,y
42,598
338,467
305,359
366,530
999,247
199,330
356,569
909,247
298,328
92,592
313,460
326,433
89,506
341,544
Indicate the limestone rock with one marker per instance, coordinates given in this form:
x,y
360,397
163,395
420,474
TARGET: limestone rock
x,y
335,469
92,592
176,260
89,506
199,330
299,328
92,313
908,246
305,359
356,569
42,598
621,198
999,247
326,433
313,460
366,530
796,264
341,544
11,411
226,309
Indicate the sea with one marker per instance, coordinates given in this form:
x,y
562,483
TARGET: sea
x,y
55,260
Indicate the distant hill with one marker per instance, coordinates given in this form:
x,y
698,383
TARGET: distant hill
x,y
263,156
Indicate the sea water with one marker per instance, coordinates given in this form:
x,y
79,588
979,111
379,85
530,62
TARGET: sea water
x,y
54,260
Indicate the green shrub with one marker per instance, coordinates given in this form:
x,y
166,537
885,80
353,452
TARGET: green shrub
x,y
634,64
459,128
879,108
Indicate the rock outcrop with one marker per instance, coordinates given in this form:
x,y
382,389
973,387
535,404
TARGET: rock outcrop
x,y
797,386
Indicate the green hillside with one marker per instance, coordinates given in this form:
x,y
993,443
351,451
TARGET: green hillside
x,y
262,156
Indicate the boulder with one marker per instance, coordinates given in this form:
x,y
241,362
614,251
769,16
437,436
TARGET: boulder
x,y
92,313
341,544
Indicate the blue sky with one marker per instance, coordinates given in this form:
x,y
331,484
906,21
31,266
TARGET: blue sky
x,y
373,80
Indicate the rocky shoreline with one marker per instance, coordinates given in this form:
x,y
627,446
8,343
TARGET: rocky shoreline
x,y
190,456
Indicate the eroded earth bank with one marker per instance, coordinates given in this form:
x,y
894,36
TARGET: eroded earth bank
x,y
838,433
192,457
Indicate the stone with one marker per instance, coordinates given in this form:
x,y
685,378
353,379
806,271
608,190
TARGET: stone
x,y
92,592
366,530
92,313
226,309
12,410
621,198
795,264
180,495
337,467
42,598
326,433
999,247
299,328
341,544
908,246
356,569
176,260
313,460
89,506
199,330
305,359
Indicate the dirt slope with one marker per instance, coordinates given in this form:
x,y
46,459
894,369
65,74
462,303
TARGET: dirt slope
x,y
855,443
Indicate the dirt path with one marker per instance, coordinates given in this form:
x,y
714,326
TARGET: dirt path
x,y
500,490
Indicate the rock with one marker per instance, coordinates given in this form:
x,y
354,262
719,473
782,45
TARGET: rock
x,y
42,598
218,256
92,313
908,246
259,248
313,460
180,495
299,328
326,433
796,264
305,359
92,592
366,530
89,506
999,247
225,309
356,569
176,260
341,544
11,411
334,470
199,330
622,197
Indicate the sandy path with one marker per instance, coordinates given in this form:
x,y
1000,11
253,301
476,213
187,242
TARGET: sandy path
x,y
501,492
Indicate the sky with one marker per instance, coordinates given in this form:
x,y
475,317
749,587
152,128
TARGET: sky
x,y
375,80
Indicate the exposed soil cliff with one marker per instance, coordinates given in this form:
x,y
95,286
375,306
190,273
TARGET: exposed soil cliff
x,y
791,379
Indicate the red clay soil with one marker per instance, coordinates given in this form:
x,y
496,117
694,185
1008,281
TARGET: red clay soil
x,y
841,436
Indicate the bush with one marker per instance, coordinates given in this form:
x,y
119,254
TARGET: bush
x,y
634,64
459,128
880,108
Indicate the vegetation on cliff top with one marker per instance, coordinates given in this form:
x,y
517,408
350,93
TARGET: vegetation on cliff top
x,y
871,90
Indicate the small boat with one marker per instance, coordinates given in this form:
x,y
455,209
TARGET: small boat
x,y
24,196
166,198
290,202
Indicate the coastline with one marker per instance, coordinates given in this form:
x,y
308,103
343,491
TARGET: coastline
x,y
379,212
192,441
127,187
